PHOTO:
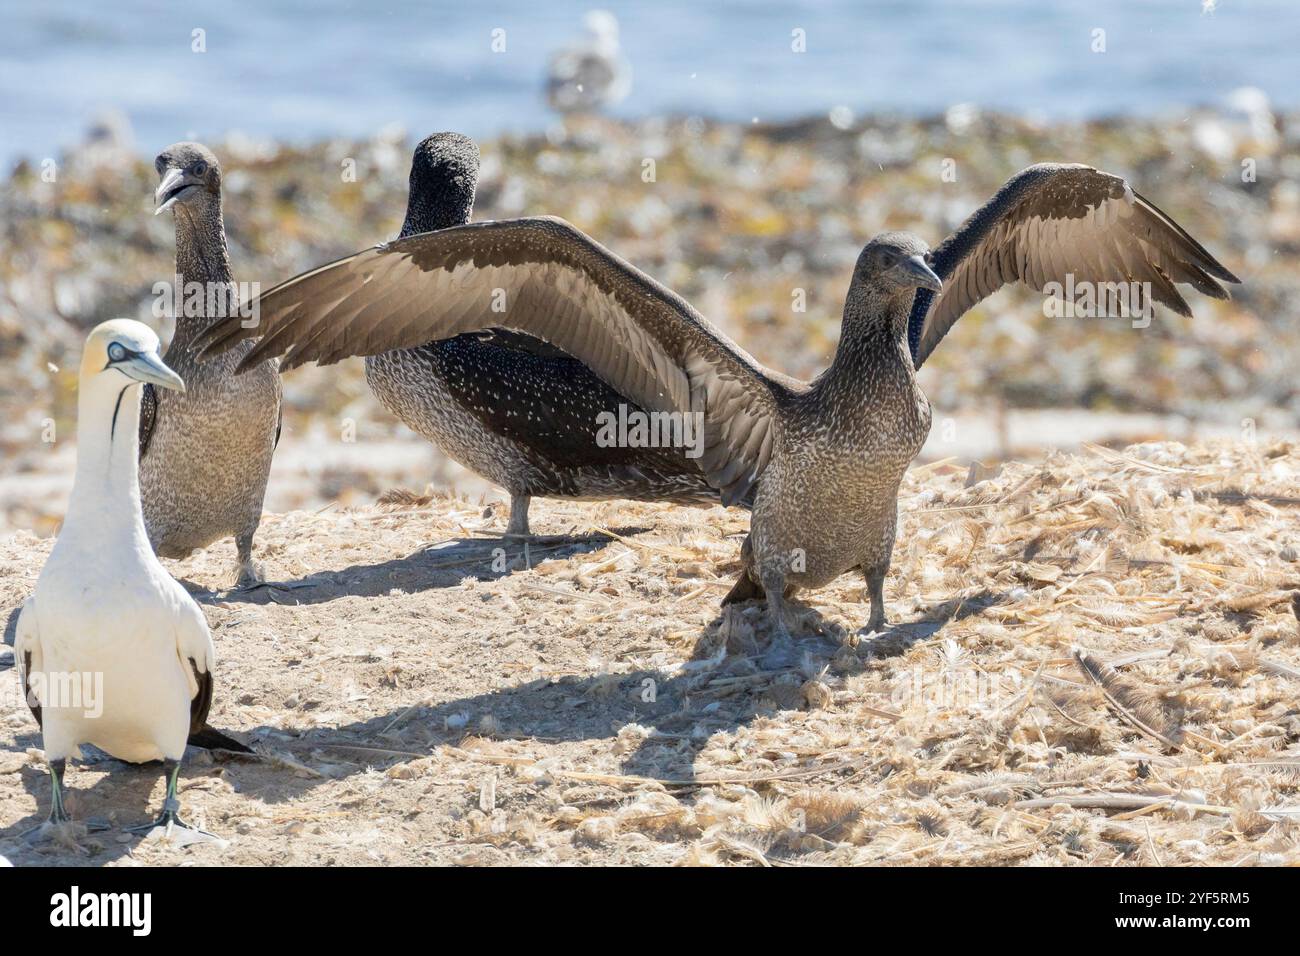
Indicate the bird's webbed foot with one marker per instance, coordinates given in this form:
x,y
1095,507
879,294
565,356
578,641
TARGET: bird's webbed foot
x,y
169,826
781,650
251,575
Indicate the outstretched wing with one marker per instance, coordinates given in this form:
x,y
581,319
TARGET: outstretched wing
x,y
1053,221
545,278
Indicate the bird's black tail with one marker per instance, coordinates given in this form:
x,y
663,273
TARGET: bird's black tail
x,y
209,738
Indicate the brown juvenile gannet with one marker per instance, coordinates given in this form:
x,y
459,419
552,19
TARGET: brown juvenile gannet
x,y
827,456
111,650
205,453
510,407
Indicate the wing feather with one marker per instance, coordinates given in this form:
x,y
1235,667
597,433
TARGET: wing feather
x,y
539,276
1052,221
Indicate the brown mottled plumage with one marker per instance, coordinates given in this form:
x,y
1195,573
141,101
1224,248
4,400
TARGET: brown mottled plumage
x,y
508,406
830,453
205,454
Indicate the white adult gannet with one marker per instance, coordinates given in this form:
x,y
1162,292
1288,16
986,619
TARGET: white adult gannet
x,y
112,651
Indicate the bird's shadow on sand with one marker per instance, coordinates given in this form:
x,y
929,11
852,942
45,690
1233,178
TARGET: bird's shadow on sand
x,y
438,565
721,688
677,710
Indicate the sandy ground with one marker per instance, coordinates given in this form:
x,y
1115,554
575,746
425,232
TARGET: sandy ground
x,y
313,468
422,691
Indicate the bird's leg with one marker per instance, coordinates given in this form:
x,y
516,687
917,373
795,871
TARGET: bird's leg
x,y
250,572
875,592
781,650
170,819
58,813
518,515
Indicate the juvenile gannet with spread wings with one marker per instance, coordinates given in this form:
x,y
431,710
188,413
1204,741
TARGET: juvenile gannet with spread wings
x,y
510,407
827,456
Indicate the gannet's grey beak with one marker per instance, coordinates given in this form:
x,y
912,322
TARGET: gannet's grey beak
x,y
921,274
172,188
149,367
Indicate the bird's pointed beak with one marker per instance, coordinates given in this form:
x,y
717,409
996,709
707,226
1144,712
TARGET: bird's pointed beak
x,y
149,367
921,274
171,189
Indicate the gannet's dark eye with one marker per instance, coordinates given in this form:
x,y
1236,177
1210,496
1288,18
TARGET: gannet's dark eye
x,y
116,352
199,168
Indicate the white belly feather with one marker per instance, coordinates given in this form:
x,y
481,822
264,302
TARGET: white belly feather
x,y
110,669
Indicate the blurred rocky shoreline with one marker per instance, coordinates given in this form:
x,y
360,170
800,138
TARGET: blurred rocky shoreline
x,y
736,217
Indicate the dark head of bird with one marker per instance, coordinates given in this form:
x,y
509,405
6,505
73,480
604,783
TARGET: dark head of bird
x,y
889,271
895,263
190,178
190,186
444,175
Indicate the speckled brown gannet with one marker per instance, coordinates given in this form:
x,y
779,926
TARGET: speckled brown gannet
x,y
510,407
205,454
111,650
827,455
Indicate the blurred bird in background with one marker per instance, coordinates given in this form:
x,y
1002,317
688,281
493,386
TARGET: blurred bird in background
x,y
592,73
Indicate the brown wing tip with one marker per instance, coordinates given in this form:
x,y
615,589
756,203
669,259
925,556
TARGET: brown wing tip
x,y
735,492
214,340
1216,291
1216,268
251,360
1202,255
292,359
1227,276
203,346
